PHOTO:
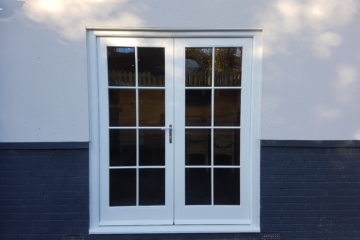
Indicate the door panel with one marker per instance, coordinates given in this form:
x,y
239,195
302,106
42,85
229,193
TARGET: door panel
x,y
211,122
135,91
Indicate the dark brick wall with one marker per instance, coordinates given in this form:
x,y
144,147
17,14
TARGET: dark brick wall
x,y
307,192
43,193
311,192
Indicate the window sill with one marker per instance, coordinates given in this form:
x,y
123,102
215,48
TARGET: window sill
x,y
174,229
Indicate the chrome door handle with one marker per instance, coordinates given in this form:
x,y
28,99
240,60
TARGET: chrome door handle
x,y
170,132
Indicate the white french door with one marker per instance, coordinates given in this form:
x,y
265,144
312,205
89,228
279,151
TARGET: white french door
x,y
174,131
212,121
136,110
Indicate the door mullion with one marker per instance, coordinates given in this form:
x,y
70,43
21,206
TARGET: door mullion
x,y
137,125
212,124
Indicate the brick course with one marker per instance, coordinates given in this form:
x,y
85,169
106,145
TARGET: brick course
x,y
307,193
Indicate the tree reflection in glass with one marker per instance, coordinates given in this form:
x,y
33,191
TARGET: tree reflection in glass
x,y
198,66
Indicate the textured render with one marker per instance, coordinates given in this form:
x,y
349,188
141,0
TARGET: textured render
x,y
310,76
307,193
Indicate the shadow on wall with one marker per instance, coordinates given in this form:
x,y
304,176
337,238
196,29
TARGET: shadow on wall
x,y
70,18
313,21
8,7
303,41
314,40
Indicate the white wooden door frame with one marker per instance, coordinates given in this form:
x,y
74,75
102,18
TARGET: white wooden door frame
x,y
102,227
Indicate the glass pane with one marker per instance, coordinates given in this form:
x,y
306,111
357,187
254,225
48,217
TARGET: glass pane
x,y
122,147
227,146
122,110
227,107
198,66
122,187
198,186
121,66
226,186
151,63
151,107
198,146
228,66
198,107
152,187
152,147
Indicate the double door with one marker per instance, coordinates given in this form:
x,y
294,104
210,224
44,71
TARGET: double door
x,y
174,130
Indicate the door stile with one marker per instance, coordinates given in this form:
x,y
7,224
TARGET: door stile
x,y
179,123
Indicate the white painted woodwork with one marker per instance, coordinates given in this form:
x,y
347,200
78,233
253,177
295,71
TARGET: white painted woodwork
x,y
175,216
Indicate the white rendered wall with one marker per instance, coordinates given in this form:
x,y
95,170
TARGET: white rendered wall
x,y
311,67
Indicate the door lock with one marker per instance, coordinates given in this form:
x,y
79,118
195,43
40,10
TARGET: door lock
x,y
170,132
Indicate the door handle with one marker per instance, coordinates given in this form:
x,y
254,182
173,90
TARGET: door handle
x,y
170,132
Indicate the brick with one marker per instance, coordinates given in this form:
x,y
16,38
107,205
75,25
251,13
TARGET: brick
x,y
306,193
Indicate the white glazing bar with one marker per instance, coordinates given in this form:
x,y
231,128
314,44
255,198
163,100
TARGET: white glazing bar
x,y
230,87
212,122
215,127
188,127
134,87
137,125
135,167
122,87
216,166
227,127
151,87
